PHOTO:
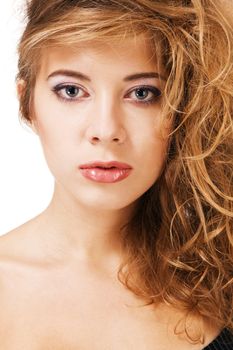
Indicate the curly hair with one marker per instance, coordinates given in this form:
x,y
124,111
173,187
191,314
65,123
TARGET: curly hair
x,y
179,243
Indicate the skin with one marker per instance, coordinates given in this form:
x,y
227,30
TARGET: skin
x,y
103,122
64,261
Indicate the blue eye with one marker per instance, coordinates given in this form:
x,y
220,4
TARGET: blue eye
x,y
146,94
141,93
69,92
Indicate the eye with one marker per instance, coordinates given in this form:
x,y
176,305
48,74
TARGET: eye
x,y
72,91
69,92
145,94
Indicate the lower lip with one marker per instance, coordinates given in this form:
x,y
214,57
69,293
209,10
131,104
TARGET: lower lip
x,y
105,175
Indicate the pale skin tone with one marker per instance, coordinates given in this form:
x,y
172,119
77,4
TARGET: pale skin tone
x,y
103,122
69,254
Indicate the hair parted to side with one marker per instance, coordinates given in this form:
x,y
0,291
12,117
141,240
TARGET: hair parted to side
x,y
180,241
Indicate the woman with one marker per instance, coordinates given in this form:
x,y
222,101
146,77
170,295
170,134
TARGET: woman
x,y
132,102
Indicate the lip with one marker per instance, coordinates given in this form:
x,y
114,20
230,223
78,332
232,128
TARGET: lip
x,y
105,172
101,164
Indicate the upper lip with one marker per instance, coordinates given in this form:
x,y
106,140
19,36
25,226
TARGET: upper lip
x,y
102,164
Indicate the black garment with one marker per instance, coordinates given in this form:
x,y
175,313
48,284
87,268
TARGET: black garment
x,y
224,341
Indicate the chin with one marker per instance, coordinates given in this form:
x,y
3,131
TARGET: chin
x,y
107,202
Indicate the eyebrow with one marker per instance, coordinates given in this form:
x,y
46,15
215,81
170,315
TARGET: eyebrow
x,y
81,76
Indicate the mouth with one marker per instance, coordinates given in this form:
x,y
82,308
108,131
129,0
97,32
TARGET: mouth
x,y
105,172
106,168
105,165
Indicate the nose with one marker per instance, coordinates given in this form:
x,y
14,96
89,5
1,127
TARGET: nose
x,y
106,126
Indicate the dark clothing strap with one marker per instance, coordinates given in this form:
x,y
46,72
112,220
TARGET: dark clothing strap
x,y
224,341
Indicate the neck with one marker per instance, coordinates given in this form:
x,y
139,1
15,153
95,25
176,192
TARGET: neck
x,y
90,235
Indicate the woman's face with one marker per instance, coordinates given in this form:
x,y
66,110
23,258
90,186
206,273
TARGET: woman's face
x,y
100,103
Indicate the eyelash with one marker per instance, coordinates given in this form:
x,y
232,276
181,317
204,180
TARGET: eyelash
x,y
154,99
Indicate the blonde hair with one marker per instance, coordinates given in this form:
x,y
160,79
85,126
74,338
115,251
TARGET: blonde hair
x,y
179,243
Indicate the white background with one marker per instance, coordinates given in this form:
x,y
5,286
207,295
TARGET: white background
x,y
26,184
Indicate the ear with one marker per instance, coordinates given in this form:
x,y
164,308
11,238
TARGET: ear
x,y
21,86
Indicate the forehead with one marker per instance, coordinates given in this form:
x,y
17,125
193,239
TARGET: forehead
x,y
130,53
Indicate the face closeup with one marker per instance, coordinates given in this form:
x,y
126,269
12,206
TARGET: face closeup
x,y
99,104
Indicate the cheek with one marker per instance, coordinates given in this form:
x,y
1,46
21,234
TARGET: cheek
x,y
152,154
52,127
55,142
151,140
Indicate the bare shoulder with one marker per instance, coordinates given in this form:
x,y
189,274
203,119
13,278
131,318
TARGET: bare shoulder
x,y
22,263
10,257
20,256
12,242
15,238
15,251
29,290
23,245
18,278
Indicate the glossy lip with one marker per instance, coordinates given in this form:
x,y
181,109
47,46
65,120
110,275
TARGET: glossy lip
x,y
104,175
107,165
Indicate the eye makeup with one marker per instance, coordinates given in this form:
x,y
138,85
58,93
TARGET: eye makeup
x,y
70,92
